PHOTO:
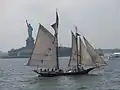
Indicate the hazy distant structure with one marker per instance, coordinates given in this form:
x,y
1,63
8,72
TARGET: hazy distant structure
x,y
27,50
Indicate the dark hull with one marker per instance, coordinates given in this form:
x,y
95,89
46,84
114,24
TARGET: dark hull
x,y
83,72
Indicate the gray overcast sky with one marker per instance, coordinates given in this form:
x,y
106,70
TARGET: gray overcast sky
x,y
98,20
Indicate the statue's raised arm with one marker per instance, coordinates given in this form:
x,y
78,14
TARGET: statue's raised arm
x,y
27,22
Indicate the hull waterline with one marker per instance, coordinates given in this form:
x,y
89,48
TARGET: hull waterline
x,y
83,72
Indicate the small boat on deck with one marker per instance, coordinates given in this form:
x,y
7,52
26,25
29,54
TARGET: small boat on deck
x,y
45,54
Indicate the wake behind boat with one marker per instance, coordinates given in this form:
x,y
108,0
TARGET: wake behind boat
x,y
45,54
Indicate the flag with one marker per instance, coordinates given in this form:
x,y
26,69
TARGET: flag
x,y
55,25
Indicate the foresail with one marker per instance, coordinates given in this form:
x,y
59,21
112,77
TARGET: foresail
x,y
73,57
95,56
86,59
44,53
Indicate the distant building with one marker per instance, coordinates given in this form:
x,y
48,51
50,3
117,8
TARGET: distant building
x,y
24,51
21,52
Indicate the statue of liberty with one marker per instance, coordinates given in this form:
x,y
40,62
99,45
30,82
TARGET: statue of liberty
x,y
30,29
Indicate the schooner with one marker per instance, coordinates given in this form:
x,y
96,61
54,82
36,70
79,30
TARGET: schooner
x,y
45,54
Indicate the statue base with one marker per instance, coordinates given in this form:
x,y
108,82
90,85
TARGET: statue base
x,y
30,42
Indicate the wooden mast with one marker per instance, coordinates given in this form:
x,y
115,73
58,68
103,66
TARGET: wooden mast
x,y
55,27
80,62
56,36
77,47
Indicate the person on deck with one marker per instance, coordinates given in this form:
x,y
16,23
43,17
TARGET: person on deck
x,y
41,70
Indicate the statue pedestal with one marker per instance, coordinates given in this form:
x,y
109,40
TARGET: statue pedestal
x,y
30,42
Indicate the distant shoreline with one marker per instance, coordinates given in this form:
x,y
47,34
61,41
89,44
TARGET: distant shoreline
x,y
7,57
63,52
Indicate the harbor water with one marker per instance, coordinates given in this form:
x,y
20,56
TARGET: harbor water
x,y
14,75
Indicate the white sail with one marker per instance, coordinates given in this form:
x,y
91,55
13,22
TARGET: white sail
x,y
44,53
73,58
85,59
95,56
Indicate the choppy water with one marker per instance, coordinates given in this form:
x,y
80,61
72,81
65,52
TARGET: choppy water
x,y
15,76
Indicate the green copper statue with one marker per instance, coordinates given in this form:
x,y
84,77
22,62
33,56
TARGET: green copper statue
x,y
30,29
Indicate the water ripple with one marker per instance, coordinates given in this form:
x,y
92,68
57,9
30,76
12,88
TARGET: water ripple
x,y
15,76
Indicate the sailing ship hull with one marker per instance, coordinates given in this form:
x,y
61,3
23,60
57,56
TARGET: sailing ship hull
x,y
83,72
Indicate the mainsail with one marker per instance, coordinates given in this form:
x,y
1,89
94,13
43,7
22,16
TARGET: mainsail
x,y
95,56
44,53
73,57
85,58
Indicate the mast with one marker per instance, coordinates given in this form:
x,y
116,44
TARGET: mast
x,y
77,47
80,52
71,49
55,27
56,36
